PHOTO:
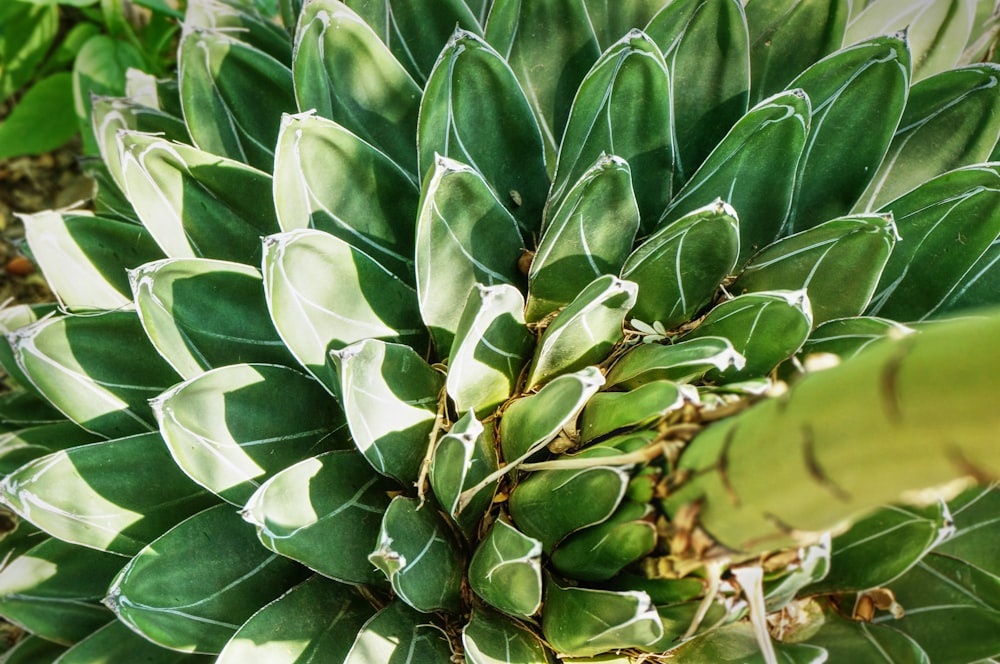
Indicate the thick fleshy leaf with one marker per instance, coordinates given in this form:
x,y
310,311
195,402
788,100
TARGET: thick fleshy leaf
x,y
737,644
20,446
419,556
99,370
378,102
327,178
489,639
26,408
679,268
550,504
474,111
559,34
857,96
608,412
818,259
222,431
947,224
506,570
317,618
951,120
116,496
622,108
333,497
31,649
611,21
978,287
202,313
390,397
324,294
681,362
492,344
194,203
590,235
54,590
599,552
755,166
84,257
193,587
585,331
217,74
847,337
243,21
465,236
765,328
857,641
706,48
463,457
115,642
786,36
14,317
583,622
99,69
532,422
399,635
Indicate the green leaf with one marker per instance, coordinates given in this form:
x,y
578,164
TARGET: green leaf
x,y
755,165
399,635
475,112
100,370
489,639
978,287
26,408
948,222
99,69
327,178
82,256
244,22
42,120
600,552
705,45
582,621
622,108
463,457
318,617
332,497
590,235
416,552
559,34
681,362
33,649
612,20
390,396
818,259
846,337
765,328
506,571
221,429
378,102
855,641
193,587
194,203
737,643
217,74
14,317
202,313
54,589
22,445
585,331
951,120
608,412
117,643
465,236
324,294
679,268
786,36
781,587
27,33
548,505
114,496
857,96
492,344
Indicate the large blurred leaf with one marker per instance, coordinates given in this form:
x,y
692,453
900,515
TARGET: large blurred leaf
x,y
706,48
377,102
465,236
191,588
223,432
418,554
324,294
115,496
463,457
399,635
115,642
489,639
506,571
217,74
202,313
474,111
194,203
332,497
327,178
99,370
317,618
622,108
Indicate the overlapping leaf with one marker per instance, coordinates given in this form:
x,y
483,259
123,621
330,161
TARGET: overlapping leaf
x,y
488,639
116,642
400,635
600,552
681,362
463,457
506,570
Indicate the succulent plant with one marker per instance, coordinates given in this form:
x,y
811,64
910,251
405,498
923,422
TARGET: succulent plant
x,y
603,331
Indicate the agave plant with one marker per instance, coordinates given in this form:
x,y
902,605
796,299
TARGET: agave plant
x,y
582,330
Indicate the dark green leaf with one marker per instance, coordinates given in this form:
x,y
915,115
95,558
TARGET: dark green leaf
x,y
681,362
399,635
33,649
612,21
600,552
27,32
20,446
42,120
506,571
978,287
117,643
462,458
847,337
244,22
608,412
864,643
489,639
